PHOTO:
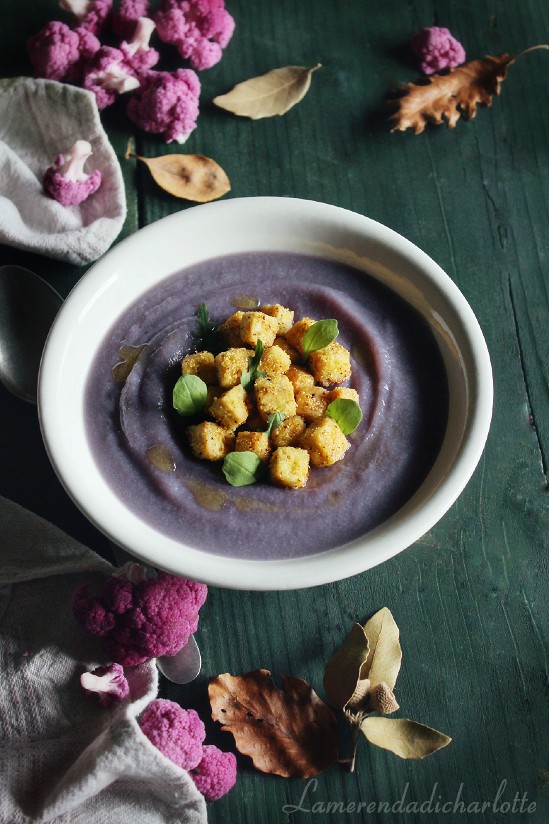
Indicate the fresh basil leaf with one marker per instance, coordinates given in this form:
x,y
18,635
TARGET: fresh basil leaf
x,y
346,413
273,422
242,468
190,394
319,335
248,378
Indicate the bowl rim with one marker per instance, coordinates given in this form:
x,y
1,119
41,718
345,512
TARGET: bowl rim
x,y
389,538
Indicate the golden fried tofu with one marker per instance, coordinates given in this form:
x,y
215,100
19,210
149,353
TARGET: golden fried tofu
x,y
213,393
274,361
201,364
285,317
289,467
230,366
300,378
332,364
344,393
274,393
209,441
292,353
294,335
289,431
231,329
231,408
257,442
256,326
324,441
312,403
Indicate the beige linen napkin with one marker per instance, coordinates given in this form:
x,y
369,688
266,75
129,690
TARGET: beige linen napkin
x,y
40,119
63,758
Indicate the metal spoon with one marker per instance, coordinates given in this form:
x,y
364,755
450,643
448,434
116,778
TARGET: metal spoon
x,y
28,306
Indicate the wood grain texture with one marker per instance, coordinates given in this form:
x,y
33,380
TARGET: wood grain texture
x,y
470,597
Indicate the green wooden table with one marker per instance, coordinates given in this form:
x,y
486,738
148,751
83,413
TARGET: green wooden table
x,y
471,596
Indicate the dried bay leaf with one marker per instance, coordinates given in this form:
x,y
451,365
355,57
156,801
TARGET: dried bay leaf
x,y
446,97
192,177
273,93
385,653
407,739
343,672
288,732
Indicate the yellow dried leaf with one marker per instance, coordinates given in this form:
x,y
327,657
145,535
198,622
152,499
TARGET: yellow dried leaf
x,y
289,732
385,654
192,177
342,676
269,94
446,97
405,738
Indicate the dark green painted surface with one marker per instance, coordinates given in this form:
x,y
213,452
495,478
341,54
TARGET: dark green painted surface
x,y
471,596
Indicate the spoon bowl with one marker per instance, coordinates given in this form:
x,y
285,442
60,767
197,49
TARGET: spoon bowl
x,y
28,307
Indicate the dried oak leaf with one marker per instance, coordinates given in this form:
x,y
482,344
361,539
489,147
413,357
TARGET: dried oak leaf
x,y
288,732
446,97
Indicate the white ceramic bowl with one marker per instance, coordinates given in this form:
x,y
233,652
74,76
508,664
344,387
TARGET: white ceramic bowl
x,y
262,224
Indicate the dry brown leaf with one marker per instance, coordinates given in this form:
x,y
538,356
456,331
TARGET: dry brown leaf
x,y
343,681
446,97
269,94
385,654
405,738
192,177
289,732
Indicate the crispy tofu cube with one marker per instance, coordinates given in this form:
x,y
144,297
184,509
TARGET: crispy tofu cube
x,y
344,392
294,335
289,431
201,364
300,378
230,365
325,442
331,364
213,393
312,403
274,394
285,317
209,441
289,467
257,442
231,408
231,329
274,361
292,353
256,326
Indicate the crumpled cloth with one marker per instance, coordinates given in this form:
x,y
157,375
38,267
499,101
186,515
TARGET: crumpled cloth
x,y
64,758
40,119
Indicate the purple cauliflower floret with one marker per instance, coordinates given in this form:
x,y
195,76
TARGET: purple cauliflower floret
x,y
108,74
109,683
90,14
59,53
167,103
437,49
199,29
66,181
137,52
129,11
143,619
176,732
216,772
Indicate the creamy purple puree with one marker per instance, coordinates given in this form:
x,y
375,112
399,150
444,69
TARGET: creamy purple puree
x,y
139,441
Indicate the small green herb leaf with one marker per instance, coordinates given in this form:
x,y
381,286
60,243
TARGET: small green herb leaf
x,y
346,413
248,378
319,335
207,335
242,468
273,422
189,395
